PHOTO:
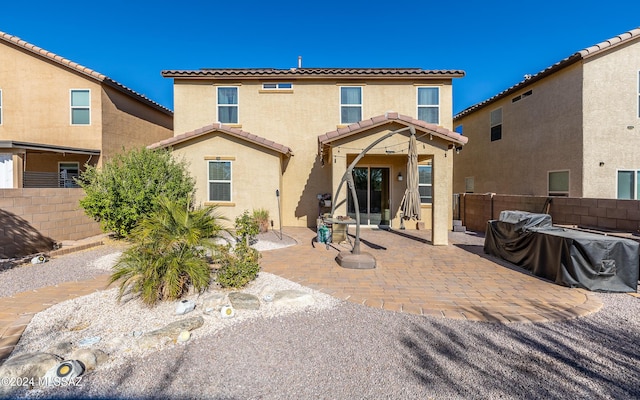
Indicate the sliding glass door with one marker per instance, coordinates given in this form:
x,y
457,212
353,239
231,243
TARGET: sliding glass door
x,y
372,189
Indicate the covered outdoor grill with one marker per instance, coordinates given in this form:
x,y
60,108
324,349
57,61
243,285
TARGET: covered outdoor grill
x,y
567,257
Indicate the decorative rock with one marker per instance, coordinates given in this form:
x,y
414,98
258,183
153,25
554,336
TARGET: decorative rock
x,y
90,341
184,307
89,358
26,366
244,301
227,312
183,337
170,332
293,298
213,303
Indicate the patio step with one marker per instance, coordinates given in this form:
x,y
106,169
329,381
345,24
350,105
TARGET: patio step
x,y
458,227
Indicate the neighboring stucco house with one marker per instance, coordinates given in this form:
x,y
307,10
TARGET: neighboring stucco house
x,y
572,129
56,116
280,139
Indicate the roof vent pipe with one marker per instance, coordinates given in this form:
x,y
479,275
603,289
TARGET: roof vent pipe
x,y
299,61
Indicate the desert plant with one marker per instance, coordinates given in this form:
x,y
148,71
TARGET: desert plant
x,y
127,187
261,215
247,228
170,252
238,267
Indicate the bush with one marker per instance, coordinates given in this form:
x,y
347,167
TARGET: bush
x,y
247,228
127,187
238,267
170,253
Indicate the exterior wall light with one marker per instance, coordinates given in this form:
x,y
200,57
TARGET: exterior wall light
x,y
399,176
602,163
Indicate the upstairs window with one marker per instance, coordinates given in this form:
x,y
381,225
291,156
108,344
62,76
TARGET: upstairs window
x,y
277,86
350,104
425,184
80,107
558,183
429,104
496,124
219,178
228,105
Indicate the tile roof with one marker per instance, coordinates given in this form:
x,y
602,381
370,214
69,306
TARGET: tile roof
x,y
577,56
68,64
311,73
366,124
218,127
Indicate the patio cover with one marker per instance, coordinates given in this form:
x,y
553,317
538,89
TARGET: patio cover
x,y
567,257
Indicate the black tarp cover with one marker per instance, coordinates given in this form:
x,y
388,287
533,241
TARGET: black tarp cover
x,y
567,257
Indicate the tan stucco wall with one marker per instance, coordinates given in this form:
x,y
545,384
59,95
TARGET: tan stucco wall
x,y
128,123
255,173
610,107
295,119
540,133
36,102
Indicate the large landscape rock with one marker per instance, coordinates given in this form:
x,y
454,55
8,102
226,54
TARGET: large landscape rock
x,y
244,301
296,298
213,303
90,358
170,332
21,369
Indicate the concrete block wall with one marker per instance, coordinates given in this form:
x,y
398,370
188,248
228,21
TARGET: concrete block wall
x,y
603,214
32,220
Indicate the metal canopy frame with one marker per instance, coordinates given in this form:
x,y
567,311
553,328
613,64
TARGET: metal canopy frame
x,y
356,259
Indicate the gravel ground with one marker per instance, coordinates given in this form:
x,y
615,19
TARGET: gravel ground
x,y
348,351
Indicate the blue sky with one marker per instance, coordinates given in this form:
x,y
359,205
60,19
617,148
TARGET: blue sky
x,y
495,42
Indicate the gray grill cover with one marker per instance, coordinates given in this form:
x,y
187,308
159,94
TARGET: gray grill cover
x,y
567,257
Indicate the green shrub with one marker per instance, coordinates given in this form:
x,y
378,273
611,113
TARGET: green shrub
x,y
238,267
127,187
247,228
169,253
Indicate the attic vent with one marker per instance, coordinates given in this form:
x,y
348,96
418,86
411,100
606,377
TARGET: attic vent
x,y
526,94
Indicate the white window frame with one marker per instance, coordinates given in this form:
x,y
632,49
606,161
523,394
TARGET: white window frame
x,y
82,107
419,106
635,172
351,105
492,124
68,183
230,181
237,105
277,86
430,184
559,192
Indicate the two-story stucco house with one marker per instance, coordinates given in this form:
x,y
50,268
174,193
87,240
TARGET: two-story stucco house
x,y
281,139
572,129
56,116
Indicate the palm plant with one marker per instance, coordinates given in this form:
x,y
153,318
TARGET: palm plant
x,y
169,252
